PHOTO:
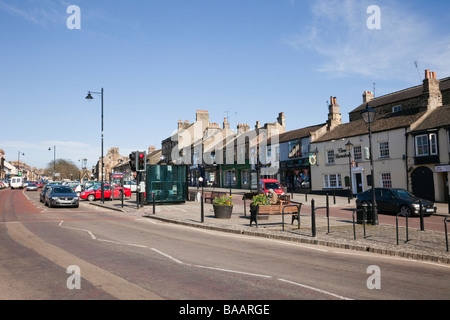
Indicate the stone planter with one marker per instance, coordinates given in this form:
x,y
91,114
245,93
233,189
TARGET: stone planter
x,y
223,212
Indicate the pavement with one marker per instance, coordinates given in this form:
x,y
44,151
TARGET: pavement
x,y
337,231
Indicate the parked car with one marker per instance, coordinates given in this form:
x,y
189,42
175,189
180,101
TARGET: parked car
x,y
61,196
130,185
17,183
395,200
96,193
43,192
265,185
32,187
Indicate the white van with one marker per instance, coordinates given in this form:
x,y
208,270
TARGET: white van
x,y
17,183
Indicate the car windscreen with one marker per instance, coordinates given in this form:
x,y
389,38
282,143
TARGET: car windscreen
x,y
272,185
62,190
402,193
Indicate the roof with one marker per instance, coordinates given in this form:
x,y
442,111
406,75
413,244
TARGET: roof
x,y
438,118
299,133
382,122
444,84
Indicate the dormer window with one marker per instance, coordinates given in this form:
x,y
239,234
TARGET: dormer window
x,y
396,108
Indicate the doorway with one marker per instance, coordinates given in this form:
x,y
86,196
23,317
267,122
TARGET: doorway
x,y
423,183
359,183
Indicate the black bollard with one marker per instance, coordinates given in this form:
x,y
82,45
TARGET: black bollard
x,y
313,218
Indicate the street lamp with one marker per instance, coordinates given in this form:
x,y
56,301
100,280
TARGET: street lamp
x,y
54,160
18,162
368,115
349,147
89,97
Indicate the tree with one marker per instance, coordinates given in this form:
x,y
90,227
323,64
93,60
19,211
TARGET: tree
x,y
66,168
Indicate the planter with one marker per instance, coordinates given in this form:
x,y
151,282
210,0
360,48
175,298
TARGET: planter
x,y
223,212
253,211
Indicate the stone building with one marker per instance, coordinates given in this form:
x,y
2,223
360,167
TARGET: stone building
x,y
410,144
110,161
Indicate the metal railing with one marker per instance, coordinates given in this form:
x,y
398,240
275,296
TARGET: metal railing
x,y
364,212
446,235
396,226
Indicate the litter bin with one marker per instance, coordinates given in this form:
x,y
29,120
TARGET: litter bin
x,y
364,210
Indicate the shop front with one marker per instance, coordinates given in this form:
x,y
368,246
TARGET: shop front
x,y
296,174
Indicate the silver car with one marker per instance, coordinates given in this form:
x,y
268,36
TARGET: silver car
x,y
61,196
32,187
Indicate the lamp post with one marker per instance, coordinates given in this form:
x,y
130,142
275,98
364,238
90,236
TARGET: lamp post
x,y
368,115
18,162
54,160
89,97
349,147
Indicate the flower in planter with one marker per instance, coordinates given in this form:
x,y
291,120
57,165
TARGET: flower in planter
x,y
223,201
261,199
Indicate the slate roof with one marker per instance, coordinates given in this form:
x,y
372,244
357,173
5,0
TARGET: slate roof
x,y
382,122
438,118
405,94
299,133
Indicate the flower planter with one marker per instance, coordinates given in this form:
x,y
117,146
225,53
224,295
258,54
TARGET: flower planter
x,y
223,212
253,209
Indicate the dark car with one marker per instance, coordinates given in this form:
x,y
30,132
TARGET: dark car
x,y
43,192
61,196
395,200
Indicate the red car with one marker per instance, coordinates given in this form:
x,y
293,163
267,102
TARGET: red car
x,y
97,193
265,185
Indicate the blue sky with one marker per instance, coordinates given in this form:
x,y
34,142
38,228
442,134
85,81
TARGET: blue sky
x,y
160,60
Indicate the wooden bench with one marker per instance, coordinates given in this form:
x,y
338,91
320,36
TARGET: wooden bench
x,y
277,210
211,195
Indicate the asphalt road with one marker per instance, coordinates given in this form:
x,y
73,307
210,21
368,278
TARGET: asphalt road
x,y
125,256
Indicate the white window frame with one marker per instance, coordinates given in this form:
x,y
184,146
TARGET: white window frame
x,y
330,179
429,148
357,153
397,108
386,180
331,158
383,147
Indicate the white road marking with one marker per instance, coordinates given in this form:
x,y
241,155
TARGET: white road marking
x,y
234,271
315,289
90,233
167,256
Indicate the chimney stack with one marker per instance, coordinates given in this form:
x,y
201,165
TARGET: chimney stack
x,y
367,97
226,124
431,91
281,119
334,114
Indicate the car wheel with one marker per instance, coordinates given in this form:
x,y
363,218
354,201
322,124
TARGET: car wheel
x,y
91,197
405,211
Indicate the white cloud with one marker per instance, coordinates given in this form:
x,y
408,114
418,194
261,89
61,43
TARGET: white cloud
x,y
339,34
43,13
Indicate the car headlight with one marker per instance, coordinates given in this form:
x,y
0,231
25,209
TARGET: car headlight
x,y
55,198
416,206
